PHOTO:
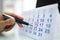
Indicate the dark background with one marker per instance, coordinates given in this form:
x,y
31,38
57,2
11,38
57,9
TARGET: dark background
x,y
47,2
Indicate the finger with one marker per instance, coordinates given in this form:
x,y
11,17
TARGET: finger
x,y
1,17
20,25
8,28
14,15
4,23
9,21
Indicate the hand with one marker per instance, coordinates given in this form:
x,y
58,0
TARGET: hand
x,y
6,25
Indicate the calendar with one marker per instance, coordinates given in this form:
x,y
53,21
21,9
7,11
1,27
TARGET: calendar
x,y
43,20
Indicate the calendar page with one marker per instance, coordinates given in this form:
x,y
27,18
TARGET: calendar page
x,y
43,21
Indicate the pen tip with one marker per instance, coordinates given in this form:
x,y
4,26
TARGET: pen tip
x,y
30,25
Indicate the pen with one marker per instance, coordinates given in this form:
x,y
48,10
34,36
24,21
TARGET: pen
x,y
18,20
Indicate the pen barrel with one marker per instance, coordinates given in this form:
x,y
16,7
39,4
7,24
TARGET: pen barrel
x,y
21,21
17,20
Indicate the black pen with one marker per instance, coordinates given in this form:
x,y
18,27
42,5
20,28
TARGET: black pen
x,y
17,20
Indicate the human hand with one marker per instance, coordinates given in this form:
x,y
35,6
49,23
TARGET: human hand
x,y
6,25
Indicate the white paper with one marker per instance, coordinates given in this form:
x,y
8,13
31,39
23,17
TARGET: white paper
x,y
43,21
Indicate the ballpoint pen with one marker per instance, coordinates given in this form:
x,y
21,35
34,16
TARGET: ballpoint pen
x,y
17,20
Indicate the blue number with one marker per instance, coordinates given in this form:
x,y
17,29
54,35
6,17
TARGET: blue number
x,y
37,20
34,33
40,29
42,20
47,31
49,20
39,34
41,24
50,15
35,28
48,25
